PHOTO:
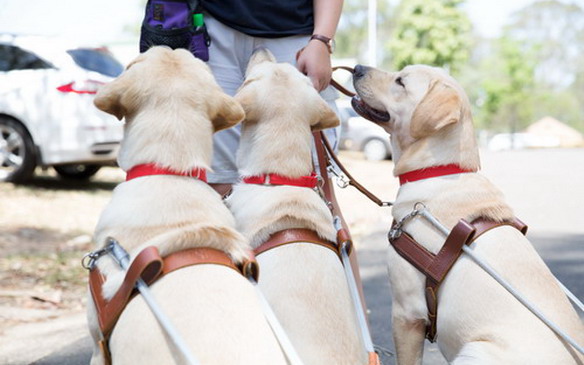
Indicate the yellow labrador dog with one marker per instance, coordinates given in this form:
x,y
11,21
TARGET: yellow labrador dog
x,y
304,282
428,116
172,105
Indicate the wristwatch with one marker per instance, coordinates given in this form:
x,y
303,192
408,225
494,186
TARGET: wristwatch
x,y
330,43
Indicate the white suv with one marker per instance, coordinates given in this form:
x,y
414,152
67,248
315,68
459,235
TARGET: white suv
x,y
47,116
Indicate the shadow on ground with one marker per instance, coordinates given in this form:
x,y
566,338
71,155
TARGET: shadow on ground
x,y
55,183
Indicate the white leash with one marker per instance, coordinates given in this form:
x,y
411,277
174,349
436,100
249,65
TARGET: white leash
x,y
277,328
123,259
485,266
355,296
571,295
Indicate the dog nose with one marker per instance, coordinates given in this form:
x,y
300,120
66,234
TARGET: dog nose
x,y
359,71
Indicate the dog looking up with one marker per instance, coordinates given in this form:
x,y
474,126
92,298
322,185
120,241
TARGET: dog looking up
x,y
304,282
172,105
428,116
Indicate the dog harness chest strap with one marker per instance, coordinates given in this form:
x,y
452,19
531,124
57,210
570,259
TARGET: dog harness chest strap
x,y
430,172
294,235
150,169
150,266
436,267
310,181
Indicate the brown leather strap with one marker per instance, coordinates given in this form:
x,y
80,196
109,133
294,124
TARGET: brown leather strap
x,y
352,180
147,266
197,256
223,189
343,235
412,251
483,225
294,235
436,267
338,86
460,235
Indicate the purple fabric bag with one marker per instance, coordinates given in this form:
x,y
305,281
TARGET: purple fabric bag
x,y
169,22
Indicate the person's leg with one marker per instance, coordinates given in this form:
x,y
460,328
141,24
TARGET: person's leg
x,y
228,55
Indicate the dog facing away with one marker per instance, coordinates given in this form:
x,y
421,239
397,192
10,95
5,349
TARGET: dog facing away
x,y
172,105
479,322
304,282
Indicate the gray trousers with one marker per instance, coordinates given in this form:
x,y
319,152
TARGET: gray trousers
x,y
228,57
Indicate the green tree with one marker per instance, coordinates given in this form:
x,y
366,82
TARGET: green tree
x,y
507,86
433,32
555,30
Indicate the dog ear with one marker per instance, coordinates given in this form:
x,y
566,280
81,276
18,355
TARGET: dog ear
x,y
440,107
246,98
109,97
326,117
259,55
229,113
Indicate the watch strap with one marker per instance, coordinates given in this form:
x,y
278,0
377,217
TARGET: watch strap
x,y
326,40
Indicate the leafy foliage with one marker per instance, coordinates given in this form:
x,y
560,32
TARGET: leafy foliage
x,y
433,32
534,69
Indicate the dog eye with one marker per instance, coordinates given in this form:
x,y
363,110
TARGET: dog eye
x,y
400,82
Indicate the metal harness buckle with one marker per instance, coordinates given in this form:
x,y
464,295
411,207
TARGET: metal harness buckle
x,y
89,259
396,230
340,178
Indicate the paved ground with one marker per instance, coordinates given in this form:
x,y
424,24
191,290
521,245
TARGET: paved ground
x,y
546,188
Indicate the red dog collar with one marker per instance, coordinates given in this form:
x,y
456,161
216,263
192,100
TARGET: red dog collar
x,y
274,179
430,172
151,169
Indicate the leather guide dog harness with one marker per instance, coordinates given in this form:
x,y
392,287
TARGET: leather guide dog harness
x,y
436,266
150,267
295,235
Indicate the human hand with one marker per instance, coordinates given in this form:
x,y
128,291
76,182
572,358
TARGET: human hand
x,y
314,61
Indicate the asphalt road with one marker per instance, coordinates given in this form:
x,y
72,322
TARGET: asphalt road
x,y
546,189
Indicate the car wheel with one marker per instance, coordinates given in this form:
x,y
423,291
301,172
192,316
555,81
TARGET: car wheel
x,y
375,150
77,171
17,152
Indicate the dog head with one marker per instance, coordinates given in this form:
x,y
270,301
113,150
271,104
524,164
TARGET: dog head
x,y
172,105
162,75
426,112
281,109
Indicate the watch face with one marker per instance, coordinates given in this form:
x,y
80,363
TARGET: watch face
x,y
332,45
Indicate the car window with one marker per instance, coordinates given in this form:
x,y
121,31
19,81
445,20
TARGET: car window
x,y
98,61
15,58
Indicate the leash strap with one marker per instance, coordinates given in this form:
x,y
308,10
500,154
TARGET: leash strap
x,y
343,236
345,244
331,155
338,86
